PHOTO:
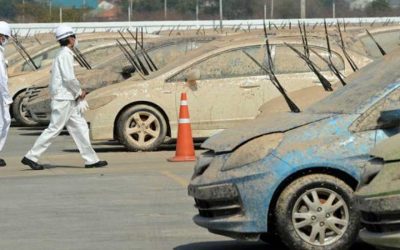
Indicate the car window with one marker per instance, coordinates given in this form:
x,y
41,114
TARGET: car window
x,y
287,62
39,59
162,55
228,64
97,56
370,119
46,58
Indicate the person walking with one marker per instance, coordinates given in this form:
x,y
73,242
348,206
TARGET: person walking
x,y
66,99
5,98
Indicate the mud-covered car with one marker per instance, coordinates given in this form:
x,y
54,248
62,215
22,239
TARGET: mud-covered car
x,y
228,89
114,70
293,175
379,201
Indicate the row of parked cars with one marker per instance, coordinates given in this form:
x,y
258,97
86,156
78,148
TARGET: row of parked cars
x,y
285,175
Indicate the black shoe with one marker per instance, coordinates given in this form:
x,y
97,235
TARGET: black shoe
x,y
2,163
32,164
98,164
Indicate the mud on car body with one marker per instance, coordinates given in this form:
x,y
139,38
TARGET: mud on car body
x,y
294,175
379,201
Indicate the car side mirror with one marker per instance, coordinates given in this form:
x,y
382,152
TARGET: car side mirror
x,y
193,76
389,118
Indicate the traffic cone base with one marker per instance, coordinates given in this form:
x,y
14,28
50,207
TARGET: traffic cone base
x,y
182,158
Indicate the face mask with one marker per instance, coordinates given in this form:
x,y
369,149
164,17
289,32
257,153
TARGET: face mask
x,y
76,43
4,42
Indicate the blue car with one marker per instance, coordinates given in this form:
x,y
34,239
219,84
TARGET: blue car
x,y
293,175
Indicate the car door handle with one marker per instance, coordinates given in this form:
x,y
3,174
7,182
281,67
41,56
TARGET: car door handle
x,y
249,85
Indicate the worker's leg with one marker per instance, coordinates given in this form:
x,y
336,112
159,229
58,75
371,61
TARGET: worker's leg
x,y
5,121
60,114
79,130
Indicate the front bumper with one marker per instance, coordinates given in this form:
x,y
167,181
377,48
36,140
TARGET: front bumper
x,y
221,211
235,203
391,240
381,218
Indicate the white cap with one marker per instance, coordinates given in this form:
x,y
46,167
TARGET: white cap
x,y
5,28
64,31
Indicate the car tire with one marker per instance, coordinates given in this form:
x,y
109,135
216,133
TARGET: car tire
x,y
19,112
328,221
141,128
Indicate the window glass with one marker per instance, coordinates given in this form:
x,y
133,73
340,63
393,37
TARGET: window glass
x,y
388,40
162,55
97,56
229,64
370,119
287,61
46,58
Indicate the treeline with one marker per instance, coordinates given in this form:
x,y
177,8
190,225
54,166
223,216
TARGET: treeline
x,y
40,11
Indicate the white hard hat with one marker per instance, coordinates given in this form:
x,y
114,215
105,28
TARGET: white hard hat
x,y
64,31
5,28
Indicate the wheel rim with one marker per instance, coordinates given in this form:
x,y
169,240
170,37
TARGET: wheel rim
x,y
320,216
24,111
143,128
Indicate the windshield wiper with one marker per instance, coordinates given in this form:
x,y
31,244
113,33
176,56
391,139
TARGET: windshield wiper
x,y
25,55
143,69
383,52
81,58
306,58
329,62
147,58
343,47
130,59
272,77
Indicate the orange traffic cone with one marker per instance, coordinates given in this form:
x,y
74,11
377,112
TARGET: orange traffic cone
x,y
184,144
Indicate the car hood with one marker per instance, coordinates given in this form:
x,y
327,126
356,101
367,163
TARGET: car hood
x,y
230,139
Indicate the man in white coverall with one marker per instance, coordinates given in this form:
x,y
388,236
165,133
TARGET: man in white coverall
x,y
65,93
5,98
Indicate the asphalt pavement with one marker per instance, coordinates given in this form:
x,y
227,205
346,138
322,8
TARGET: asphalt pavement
x,y
138,202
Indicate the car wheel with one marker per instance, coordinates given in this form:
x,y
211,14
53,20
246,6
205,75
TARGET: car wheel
x,y
317,212
141,128
20,112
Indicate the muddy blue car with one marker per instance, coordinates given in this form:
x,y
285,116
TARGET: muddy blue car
x,y
379,201
293,175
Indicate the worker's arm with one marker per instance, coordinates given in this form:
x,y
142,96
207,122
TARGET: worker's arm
x,y
66,65
4,82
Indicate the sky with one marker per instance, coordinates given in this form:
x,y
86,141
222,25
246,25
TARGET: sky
x,y
76,3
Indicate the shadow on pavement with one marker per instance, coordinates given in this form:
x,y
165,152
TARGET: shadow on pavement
x,y
48,166
118,148
224,245
36,128
243,245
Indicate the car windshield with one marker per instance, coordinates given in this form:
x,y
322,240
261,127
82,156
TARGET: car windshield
x,y
188,56
363,86
389,40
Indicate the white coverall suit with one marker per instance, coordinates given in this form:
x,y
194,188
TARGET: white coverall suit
x,y
64,90
5,100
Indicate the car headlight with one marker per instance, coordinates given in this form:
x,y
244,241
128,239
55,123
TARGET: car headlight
x,y
99,102
253,151
202,163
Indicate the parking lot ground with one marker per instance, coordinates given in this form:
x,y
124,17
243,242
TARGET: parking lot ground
x,y
138,202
